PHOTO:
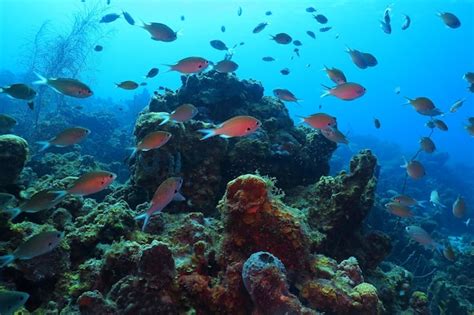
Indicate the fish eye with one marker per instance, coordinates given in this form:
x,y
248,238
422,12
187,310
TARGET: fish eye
x,y
200,66
111,176
50,244
248,128
175,191
58,235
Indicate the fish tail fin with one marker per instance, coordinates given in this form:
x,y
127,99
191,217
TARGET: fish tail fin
x,y
409,100
44,145
406,163
31,105
172,67
166,118
145,217
208,133
1,90
134,152
301,119
179,33
12,212
326,92
42,80
6,260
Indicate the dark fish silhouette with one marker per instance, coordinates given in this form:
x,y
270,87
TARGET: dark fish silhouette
x,y
406,22
108,18
218,44
285,71
152,73
128,18
260,27
321,18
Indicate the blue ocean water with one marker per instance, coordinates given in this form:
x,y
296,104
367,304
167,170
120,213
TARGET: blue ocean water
x,y
428,59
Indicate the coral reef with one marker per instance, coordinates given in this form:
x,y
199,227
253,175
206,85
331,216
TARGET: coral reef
x,y
249,240
13,155
276,150
265,280
340,288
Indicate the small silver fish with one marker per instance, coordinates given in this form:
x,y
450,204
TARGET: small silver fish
x,y
36,245
11,301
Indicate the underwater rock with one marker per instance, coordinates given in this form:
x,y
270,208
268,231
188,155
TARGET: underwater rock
x,y
13,154
393,284
339,288
419,303
452,290
337,205
198,162
255,219
264,277
276,150
103,223
92,302
224,295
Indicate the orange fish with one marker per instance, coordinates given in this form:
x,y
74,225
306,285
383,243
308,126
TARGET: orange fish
x,y
427,145
336,75
226,66
181,114
91,183
190,65
441,125
421,236
127,85
399,210
334,135
357,58
319,120
449,253
408,201
424,106
346,91
65,138
414,169
160,32
66,86
164,194
459,207
153,140
285,95
237,126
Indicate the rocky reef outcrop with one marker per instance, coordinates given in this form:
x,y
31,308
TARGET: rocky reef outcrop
x,y
277,149
13,155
